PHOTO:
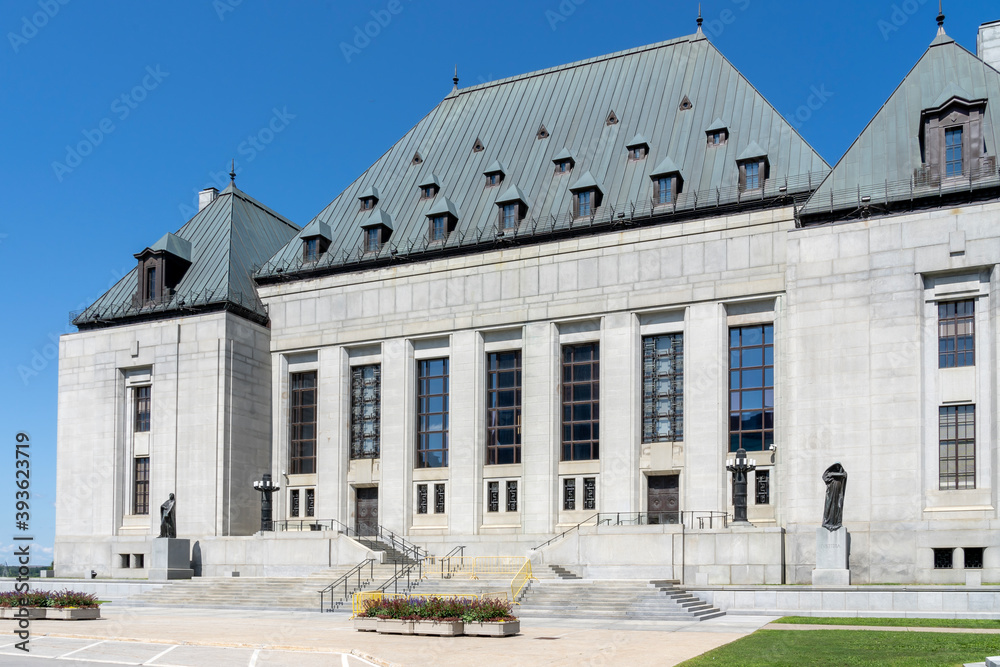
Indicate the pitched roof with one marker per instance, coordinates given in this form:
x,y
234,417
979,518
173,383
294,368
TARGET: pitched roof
x,y
228,239
173,244
644,87
883,161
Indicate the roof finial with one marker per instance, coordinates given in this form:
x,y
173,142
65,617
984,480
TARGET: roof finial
x,y
232,173
455,79
940,17
699,16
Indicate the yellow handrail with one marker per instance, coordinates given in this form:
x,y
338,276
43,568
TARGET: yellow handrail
x,y
481,567
520,580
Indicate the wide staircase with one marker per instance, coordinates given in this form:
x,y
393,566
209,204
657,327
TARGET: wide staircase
x,y
558,592
287,593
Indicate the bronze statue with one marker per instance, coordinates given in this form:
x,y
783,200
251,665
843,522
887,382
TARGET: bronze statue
x,y
835,478
168,526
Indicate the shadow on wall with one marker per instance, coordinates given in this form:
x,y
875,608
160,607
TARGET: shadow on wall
x,y
196,558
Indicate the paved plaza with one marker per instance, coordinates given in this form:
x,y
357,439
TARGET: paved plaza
x,y
182,637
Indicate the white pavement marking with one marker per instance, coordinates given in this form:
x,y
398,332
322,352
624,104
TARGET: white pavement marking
x,y
161,654
81,649
343,660
253,658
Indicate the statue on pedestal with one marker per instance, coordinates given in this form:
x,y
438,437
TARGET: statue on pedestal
x,y
835,478
168,525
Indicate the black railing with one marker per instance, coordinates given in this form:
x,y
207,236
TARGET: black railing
x,y
401,570
345,580
452,561
378,533
694,520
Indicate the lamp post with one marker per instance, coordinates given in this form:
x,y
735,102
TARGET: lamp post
x,y
740,467
266,488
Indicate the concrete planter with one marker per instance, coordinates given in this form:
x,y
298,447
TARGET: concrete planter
x,y
393,626
501,629
34,613
438,628
73,614
366,624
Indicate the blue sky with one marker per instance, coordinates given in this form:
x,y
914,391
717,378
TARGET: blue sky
x,y
114,115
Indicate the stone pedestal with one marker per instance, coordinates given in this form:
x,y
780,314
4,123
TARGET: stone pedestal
x,y
832,554
171,559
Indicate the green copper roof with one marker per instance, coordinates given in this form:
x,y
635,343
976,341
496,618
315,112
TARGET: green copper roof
x,y
716,125
172,244
512,194
665,167
442,205
228,239
586,181
496,167
370,191
316,228
752,151
643,86
377,218
885,163
637,140
564,154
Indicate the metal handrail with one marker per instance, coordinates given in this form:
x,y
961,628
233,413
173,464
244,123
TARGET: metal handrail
x,y
459,553
400,570
380,532
704,519
567,531
357,569
521,579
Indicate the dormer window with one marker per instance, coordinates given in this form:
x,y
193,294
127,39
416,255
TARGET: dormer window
x,y
315,240
513,207
310,250
666,183
948,142
494,174
373,239
375,231
429,187
368,199
638,148
441,220
160,269
587,194
718,134
753,167
564,162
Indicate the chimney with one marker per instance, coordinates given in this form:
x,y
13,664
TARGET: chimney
x,y
206,197
988,44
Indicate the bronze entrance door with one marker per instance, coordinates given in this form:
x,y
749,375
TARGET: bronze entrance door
x,y
366,511
664,499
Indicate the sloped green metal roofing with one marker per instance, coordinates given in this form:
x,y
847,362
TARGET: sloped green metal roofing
x,y
378,218
883,162
637,140
665,167
496,167
173,244
512,194
228,239
644,87
442,205
716,125
586,181
316,228
370,191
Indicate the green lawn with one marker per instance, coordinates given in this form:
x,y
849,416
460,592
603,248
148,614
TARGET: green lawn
x,y
991,624
849,648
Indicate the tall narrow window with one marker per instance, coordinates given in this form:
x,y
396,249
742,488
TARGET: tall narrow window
x,y
493,496
957,453
293,503
663,388
752,175
366,391
953,151
141,397
140,486
302,423
583,203
589,493
512,496
310,502
310,250
503,407
151,283
664,190
569,493
439,228
508,216
957,334
581,402
373,239
421,499
432,413
751,387
439,498
763,481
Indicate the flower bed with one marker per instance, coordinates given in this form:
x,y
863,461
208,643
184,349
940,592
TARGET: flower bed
x,y
62,605
438,617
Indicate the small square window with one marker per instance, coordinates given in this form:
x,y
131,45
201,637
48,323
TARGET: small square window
x,y
637,153
944,559
138,561
428,191
123,560
564,167
973,558
368,203
493,179
717,138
